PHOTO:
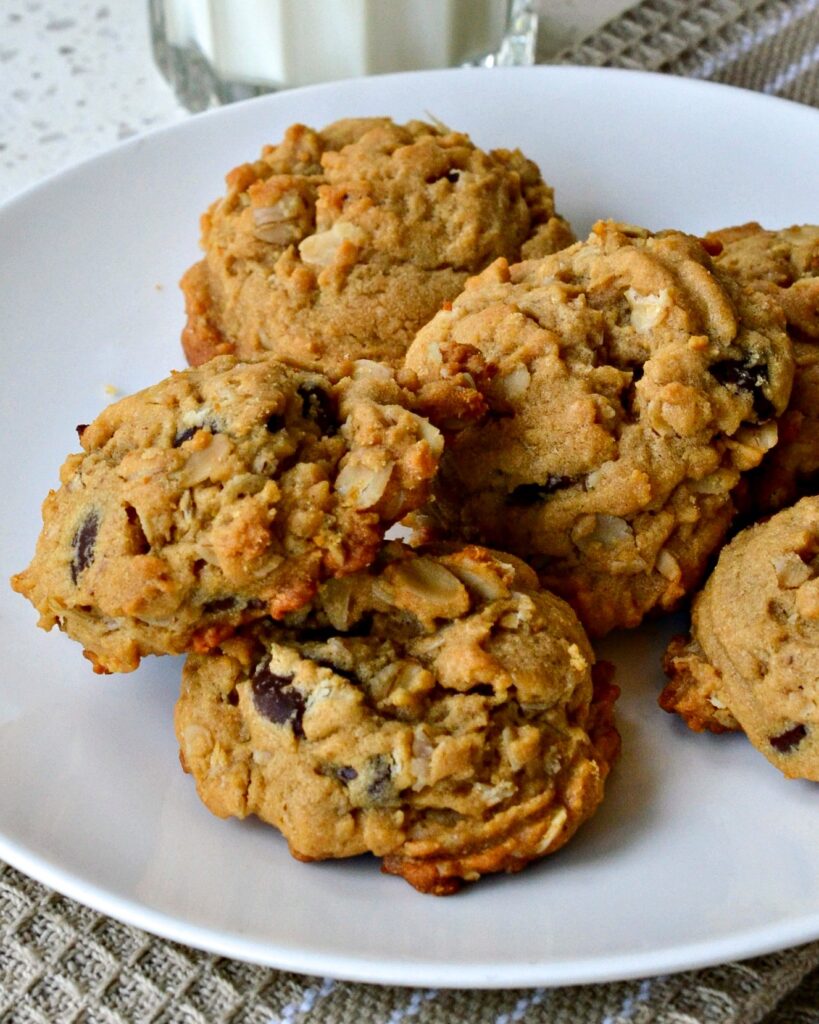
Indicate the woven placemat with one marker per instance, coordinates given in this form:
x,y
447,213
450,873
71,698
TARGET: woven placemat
x,y
770,46
62,963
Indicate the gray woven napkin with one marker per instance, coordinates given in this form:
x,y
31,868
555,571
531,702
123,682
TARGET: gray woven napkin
x,y
770,46
61,963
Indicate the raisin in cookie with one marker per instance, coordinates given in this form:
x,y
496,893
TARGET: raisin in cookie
x,y
218,496
785,265
436,710
629,383
752,660
339,244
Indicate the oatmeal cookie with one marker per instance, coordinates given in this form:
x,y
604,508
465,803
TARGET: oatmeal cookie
x,y
785,265
752,660
218,496
339,244
437,710
629,383
693,689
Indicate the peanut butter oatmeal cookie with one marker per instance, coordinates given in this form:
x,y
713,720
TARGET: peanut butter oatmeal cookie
x,y
221,495
437,710
752,660
785,265
629,383
339,244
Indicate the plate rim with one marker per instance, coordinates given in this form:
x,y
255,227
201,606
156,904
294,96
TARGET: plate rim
x,y
271,98
485,976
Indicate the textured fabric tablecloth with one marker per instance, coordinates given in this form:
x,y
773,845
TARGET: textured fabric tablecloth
x,y
61,962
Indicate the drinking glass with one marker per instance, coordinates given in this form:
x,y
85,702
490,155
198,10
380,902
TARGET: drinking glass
x,y
218,51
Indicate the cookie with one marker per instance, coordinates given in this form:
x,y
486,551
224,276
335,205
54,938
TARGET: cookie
x,y
221,495
437,710
784,264
629,383
339,244
693,689
752,660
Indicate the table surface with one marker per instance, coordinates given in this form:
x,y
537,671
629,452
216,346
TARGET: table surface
x,y
76,79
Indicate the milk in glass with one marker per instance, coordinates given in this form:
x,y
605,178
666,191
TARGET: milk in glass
x,y
277,43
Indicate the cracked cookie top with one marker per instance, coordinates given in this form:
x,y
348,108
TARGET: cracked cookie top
x,y
437,710
218,496
339,244
752,660
785,265
629,382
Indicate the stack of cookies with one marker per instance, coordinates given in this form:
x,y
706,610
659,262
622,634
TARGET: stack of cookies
x,y
392,326
751,662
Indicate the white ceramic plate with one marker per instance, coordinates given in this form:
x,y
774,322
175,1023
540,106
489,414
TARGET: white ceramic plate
x,y
701,852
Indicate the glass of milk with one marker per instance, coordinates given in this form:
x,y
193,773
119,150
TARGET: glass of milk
x,y
217,51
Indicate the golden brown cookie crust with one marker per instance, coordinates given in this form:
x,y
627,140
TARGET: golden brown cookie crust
x,y
629,383
339,244
221,495
437,710
754,647
693,689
